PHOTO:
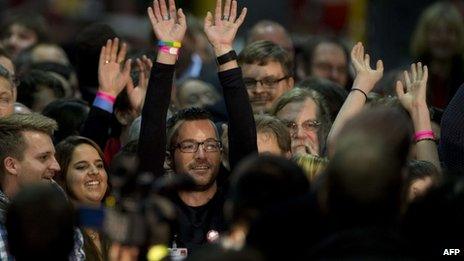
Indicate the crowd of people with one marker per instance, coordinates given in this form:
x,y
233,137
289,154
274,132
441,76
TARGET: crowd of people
x,y
197,151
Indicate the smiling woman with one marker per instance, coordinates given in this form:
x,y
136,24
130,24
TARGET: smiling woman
x,y
84,178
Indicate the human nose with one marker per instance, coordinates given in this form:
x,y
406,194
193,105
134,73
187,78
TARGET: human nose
x,y
298,132
93,170
55,166
259,87
200,153
12,40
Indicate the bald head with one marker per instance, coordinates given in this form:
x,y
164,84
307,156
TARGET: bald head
x,y
271,31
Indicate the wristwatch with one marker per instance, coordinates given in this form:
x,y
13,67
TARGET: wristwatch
x,y
227,57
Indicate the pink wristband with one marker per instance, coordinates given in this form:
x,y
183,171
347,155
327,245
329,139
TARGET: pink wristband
x,y
169,50
107,97
426,134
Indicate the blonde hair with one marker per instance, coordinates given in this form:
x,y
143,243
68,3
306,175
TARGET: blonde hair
x,y
312,165
439,12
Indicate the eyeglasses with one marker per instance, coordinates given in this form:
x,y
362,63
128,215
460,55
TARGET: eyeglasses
x,y
190,146
309,125
268,83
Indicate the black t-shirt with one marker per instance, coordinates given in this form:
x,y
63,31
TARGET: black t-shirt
x,y
194,223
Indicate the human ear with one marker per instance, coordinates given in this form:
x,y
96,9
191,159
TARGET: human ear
x,y
11,165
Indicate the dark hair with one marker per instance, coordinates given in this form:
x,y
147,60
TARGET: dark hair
x,y
4,53
263,52
4,73
419,169
189,114
440,213
89,42
333,93
30,82
58,68
31,21
40,223
313,43
70,115
64,153
271,124
259,182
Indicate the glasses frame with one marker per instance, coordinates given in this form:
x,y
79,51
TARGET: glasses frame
x,y
267,86
292,126
197,146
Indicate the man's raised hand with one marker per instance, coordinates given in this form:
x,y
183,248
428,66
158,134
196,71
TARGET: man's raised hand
x,y
222,27
169,23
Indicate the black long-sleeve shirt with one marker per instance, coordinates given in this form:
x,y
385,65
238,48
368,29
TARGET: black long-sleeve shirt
x,y
195,222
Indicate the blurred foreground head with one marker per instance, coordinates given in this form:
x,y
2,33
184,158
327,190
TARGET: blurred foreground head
x,y
365,175
40,224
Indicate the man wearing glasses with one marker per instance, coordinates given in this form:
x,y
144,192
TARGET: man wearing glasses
x,y
307,118
267,73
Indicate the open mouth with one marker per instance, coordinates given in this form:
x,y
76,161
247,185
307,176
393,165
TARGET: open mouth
x,y
92,183
200,167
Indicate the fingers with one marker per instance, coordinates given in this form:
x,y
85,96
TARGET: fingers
x,y
122,53
355,54
157,9
126,70
242,16
147,63
217,12
208,20
226,13
181,18
425,77
407,80
399,89
361,53
413,72
379,65
151,15
233,11
419,71
172,9
367,61
164,10
114,50
109,43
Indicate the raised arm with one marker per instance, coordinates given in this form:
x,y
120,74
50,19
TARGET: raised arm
x,y
113,75
169,25
414,101
221,29
365,80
